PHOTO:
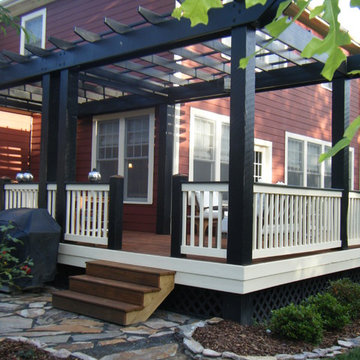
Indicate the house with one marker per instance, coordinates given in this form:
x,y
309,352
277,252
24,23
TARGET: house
x,y
147,97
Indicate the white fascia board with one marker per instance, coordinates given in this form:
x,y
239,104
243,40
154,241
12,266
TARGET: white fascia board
x,y
223,277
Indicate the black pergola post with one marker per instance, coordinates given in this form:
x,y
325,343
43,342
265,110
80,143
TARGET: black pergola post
x,y
66,153
166,115
242,109
116,205
49,131
340,162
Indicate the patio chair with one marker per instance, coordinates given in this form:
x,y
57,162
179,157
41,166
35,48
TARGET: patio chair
x,y
205,204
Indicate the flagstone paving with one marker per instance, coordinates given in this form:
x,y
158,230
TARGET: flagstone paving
x,y
31,315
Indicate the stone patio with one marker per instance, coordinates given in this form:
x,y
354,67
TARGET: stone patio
x,y
31,315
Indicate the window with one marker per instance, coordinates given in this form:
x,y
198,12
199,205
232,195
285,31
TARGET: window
x,y
35,24
123,144
209,149
302,162
263,161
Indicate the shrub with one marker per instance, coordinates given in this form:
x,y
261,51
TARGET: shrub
x,y
348,294
333,314
11,269
297,322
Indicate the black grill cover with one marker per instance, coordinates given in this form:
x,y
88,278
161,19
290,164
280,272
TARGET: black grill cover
x,y
40,235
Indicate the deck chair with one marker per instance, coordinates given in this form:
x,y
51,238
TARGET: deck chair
x,y
205,203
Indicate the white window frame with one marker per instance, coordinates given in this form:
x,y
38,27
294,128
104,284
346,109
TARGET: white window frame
x,y
323,143
260,145
24,19
121,150
265,147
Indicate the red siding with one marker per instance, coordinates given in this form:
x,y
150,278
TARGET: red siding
x,y
35,146
304,111
63,15
14,151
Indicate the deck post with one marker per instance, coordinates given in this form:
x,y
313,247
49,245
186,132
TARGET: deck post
x,y
66,146
241,158
49,130
176,214
116,202
166,114
4,180
238,308
340,162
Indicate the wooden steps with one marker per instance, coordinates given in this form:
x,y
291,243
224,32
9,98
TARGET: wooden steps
x,y
120,293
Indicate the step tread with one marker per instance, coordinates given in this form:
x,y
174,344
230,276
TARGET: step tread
x,y
144,269
96,300
116,283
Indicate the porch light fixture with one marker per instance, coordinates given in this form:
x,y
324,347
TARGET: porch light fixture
x,y
94,176
130,165
25,177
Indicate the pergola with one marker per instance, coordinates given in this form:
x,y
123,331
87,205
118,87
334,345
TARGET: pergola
x,y
161,61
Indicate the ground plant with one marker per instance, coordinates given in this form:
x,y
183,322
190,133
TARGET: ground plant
x,y
329,311
351,355
11,268
347,293
297,322
334,315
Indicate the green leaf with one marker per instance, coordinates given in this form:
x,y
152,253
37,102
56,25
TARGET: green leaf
x,y
332,63
196,10
349,133
352,128
177,12
355,3
244,62
354,72
335,149
250,3
275,28
317,11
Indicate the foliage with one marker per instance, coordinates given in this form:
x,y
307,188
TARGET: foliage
x,y
6,19
196,11
11,269
348,294
297,322
353,354
345,141
333,314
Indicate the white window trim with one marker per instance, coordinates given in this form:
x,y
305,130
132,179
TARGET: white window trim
x,y
352,167
266,148
24,19
121,161
323,143
219,120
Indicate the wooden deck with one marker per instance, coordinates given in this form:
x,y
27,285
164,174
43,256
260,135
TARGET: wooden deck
x,y
155,244
146,243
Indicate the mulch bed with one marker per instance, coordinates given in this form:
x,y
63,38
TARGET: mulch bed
x,y
253,340
17,350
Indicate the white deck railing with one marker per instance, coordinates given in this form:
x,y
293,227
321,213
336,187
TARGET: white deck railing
x,y
21,196
204,219
289,220
87,209
26,196
51,199
354,218
285,220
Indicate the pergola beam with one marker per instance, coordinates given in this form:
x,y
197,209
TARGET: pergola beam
x,y
170,34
